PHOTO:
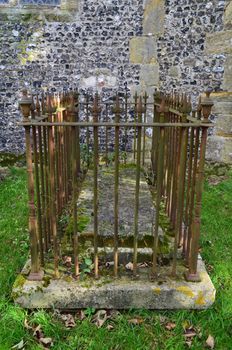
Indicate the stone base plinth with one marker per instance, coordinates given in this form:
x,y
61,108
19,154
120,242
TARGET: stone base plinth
x,y
123,293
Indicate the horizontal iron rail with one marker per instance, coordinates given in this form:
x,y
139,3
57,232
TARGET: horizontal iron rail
x,y
89,124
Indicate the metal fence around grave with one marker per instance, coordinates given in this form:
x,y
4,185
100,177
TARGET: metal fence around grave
x,y
68,134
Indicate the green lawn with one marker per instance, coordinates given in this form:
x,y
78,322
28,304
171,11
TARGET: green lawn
x,y
151,333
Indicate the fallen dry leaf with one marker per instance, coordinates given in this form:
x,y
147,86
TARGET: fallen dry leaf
x,y
129,266
112,314
19,346
136,321
189,342
68,320
109,327
163,319
38,332
67,261
81,315
99,318
47,342
210,342
26,325
190,333
170,326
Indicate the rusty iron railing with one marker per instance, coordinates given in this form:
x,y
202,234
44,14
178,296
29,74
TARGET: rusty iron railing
x,y
57,126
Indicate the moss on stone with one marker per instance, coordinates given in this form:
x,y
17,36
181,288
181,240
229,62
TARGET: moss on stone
x,y
19,282
18,287
46,281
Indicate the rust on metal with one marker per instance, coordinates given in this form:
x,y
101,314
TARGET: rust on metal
x,y
58,124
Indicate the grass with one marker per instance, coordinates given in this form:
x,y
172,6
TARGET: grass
x,y
216,249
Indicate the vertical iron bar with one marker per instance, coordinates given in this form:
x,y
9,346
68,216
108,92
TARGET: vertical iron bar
x,y
144,129
106,149
36,273
192,274
46,172
43,195
96,110
75,141
126,119
87,119
135,119
37,186
139,111
180,191
160,170
78,150
116,185
51,147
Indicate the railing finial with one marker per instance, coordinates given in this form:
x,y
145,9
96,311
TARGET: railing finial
x,y
25,104
206,106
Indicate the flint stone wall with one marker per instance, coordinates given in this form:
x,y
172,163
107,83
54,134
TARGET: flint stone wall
x,y
110,45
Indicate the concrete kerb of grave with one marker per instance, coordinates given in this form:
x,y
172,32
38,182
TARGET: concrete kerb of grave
x,y
122,293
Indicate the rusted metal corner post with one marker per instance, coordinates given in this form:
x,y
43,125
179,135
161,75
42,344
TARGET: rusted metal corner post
x,y
36,273
192,274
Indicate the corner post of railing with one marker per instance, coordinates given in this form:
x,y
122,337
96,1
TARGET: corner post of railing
x,y
192,274
36,273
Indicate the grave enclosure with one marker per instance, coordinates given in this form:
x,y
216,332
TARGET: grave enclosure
x,y
114,224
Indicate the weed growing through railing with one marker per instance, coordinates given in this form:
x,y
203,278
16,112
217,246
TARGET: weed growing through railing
x,y
86,155
86,267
